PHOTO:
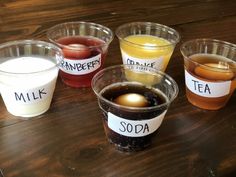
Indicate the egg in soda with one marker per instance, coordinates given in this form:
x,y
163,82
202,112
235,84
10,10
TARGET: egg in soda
x,y
132,100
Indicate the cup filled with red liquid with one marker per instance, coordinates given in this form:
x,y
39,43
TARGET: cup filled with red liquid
x,y
133,108
210,72
84,46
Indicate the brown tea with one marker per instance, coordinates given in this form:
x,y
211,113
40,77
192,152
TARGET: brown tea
x,y
210,80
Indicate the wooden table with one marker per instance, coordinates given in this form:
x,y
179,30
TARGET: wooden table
x,y
69,140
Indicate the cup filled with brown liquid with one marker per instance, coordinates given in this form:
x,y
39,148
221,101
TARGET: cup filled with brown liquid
x,y
210,72
133,110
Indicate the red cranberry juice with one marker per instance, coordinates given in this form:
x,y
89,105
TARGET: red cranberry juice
x,y
84,57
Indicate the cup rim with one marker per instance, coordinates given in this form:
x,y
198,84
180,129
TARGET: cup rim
x,y
206,40
148,24
34,42
53,28
166,104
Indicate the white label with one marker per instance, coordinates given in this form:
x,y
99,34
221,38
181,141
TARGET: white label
x,y
156,63
81,66
207,89
134,128
26,96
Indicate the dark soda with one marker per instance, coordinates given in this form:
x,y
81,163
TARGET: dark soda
x,y
154,97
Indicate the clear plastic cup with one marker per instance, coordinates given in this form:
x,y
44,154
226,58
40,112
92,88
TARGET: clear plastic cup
x,y
85,47
28,74
148,44
130,124
210,72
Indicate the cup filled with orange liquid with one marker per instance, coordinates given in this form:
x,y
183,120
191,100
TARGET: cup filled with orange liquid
x,y
210,72
147,44
85,46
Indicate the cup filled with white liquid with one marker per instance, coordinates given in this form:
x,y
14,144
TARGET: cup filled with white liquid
x,y
28,74
133,108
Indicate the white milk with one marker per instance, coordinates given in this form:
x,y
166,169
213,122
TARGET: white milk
x,y
29,92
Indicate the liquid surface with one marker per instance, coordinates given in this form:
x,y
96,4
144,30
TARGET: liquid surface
x,y
152,96
26,65
34,72
213,67
154,48
147,40
78,47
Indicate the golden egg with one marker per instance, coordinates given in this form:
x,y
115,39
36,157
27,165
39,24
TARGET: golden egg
x,y
132,100
214,71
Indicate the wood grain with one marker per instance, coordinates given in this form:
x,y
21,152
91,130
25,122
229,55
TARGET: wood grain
x,y
69,140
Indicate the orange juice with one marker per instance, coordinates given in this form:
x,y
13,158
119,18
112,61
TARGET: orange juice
x,y
146,50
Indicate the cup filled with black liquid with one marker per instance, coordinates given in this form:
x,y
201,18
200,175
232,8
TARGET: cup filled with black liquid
x,y
134,100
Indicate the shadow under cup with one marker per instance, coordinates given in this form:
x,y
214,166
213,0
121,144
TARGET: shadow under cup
x,y
131,128
210,72
84,46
